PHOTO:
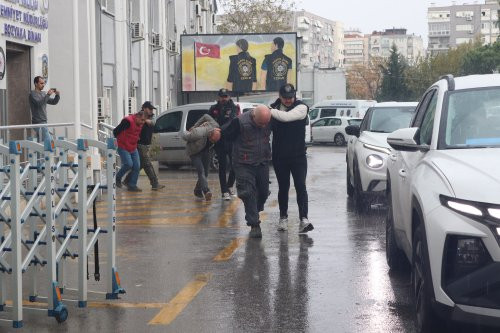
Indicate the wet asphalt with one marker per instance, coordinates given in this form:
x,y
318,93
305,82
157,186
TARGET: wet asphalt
x,y
188,266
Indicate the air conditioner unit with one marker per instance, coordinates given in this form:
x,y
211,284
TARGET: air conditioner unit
x,y
172,46
204,6
137,30
132,105
103,109
471,31
156,40
468,18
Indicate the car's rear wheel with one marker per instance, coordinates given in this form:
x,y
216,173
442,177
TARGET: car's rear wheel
x,y
427,320
339,140
360,201
349,187
396,259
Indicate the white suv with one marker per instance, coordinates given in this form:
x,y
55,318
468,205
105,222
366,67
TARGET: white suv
x,y
443,188
367,150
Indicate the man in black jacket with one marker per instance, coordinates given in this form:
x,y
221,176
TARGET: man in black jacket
x,y
289,154
223,112
144,145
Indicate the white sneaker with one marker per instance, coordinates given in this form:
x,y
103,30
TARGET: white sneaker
x,y
226,196
283,224
231,192
305,226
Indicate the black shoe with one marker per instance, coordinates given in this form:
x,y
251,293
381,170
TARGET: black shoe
x,y
157,187
133,189
119,183
198,194
255,232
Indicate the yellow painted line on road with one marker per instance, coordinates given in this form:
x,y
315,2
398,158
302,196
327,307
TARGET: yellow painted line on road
x,y
229,250
173,308
163,220
229,213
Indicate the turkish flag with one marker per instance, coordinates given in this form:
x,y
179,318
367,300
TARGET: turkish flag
x,y
207,50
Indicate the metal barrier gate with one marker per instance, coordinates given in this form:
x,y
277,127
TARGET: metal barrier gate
x,y
43,221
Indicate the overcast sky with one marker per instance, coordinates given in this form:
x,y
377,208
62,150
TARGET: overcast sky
x,y
370,15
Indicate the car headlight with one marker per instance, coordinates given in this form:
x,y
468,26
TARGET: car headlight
x,y
382,150
485,213
374,161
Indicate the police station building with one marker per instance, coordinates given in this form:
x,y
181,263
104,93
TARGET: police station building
x,y
104,56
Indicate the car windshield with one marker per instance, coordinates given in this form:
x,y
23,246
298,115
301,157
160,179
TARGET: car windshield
x,y
472,119
389,119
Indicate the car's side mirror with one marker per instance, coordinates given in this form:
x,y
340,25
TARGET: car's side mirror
x,y
406,139
352,130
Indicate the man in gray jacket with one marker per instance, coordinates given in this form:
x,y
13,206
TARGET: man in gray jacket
x,y
204,133
38,105
250,134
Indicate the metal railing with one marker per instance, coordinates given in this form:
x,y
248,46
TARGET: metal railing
x,y
5,131
105,131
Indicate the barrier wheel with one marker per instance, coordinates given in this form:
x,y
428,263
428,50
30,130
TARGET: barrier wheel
x,y
61,315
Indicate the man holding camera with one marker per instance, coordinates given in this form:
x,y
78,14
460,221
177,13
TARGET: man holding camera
x,y
38,104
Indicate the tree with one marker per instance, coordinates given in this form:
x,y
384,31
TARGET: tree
x,y
393,87
483,60
256,16
363,80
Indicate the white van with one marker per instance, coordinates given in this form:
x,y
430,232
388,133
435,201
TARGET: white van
x,y
340,108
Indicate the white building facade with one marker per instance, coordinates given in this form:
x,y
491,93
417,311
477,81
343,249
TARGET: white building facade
x,y
355,48
106,57
409,46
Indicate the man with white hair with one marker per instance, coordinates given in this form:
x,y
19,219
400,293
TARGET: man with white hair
x,y
251,152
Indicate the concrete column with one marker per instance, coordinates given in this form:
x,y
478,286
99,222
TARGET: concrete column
x,y
91,22
122,38
76,70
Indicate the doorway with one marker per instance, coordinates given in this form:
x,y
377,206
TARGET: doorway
x,y
18,87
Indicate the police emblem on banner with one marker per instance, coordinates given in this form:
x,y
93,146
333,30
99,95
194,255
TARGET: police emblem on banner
x,y
280,69
2,64
45,67
245,69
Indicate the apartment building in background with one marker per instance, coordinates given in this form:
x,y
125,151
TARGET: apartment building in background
x,y
356,46
409,46
450,26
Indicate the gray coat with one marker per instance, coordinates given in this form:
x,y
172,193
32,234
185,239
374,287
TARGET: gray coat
x,y
197,136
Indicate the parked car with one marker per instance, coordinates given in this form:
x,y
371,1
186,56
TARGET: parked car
x,y
331,129
340,108
443,189
367,150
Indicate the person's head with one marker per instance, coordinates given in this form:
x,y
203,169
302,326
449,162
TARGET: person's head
x,y
242,44
287,94
148,108
214,135
39,83
140,118
261,115
223,96
278,43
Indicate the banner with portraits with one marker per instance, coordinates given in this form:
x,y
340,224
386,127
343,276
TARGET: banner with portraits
x,y
241,63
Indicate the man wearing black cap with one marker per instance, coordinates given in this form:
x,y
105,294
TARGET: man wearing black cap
x,y
289,154
143,146
223,112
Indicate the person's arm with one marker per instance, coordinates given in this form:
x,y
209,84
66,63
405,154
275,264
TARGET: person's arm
x,y
38,100
297,113
206,119
124,124
231,129
55,100
196,133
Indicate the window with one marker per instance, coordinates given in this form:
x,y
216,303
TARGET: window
x,y
335,122
428,122
313,113
193,116
328,113
319,123
171,122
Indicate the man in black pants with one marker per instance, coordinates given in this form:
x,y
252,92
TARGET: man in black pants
x,y
251,154
223,112
289,154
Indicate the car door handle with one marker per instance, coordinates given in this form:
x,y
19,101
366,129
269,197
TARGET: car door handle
x,y
402,173
393,157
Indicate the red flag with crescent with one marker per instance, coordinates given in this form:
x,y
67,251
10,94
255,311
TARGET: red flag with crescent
x,y
207,50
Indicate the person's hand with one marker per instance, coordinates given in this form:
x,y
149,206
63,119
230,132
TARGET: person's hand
x,y
56,92
50,92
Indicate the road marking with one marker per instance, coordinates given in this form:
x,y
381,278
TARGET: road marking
x,y
228,251
173,308
229,213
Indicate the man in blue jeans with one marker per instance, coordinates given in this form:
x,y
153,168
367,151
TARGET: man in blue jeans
x,y
127,134
38,105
